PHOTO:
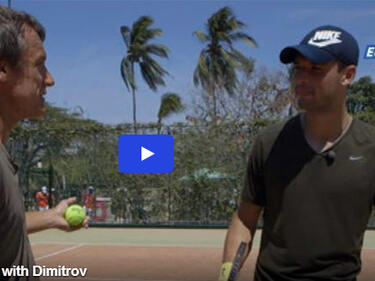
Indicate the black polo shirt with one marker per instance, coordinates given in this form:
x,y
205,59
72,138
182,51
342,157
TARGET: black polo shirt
x,y
316,207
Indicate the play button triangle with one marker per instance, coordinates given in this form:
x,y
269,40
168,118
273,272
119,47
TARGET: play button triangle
x,y
145,153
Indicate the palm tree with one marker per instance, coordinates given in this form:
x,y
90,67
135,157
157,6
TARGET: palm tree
x,y
219,60
170,103
140,51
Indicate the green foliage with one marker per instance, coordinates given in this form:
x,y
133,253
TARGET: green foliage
x,y
361,96
83,152
361,99
48,141
170,103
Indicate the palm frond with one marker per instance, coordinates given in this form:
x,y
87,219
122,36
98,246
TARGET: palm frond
x,y
223,37
228,59
157,49
152,73
234,24
147,35
141,24
141,32
201,71
155,66
128,74
243,37
227,77
201,36
125,32
149,77
246,64
170,103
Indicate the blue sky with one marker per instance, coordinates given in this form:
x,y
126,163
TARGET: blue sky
x,y
85,47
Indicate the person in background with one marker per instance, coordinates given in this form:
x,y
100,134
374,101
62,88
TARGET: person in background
x,y
42,199
89,201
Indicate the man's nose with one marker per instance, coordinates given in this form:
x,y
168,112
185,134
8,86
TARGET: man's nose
x,y
49,81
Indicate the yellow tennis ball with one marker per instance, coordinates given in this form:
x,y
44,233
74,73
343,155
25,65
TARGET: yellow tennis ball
x,y
74,215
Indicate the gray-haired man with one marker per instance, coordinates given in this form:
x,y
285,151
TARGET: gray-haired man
x,y
24,79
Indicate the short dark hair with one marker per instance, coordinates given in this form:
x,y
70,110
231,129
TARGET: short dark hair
x,y
12,37
341,65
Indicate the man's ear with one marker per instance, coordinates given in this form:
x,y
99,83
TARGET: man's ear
x,y
348,75
4,67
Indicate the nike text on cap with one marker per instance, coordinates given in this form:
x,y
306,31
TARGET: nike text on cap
x,y
324,44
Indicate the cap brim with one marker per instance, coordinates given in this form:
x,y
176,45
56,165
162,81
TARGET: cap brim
x,y
312,53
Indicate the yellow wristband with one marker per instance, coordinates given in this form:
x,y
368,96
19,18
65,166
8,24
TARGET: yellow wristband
x,y
225,271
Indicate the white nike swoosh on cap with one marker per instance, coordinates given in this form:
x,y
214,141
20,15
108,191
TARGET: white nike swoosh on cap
x,y
324,43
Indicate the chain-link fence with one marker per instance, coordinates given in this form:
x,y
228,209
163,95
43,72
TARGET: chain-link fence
x,y
203,189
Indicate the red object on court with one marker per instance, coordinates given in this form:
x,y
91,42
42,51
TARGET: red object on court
x,y
101,210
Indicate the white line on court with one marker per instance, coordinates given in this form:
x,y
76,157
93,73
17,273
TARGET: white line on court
x,y
59,252
132,245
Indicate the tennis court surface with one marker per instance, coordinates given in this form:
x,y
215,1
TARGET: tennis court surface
x,y
114,254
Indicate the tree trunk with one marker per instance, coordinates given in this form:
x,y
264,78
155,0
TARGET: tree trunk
x,y
134,104
134,112
214,105
212,92
159,125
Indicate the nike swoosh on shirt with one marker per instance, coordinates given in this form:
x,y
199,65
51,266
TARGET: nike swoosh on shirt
x,y
355,158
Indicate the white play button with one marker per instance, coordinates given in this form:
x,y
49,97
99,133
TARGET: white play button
x,y
145,153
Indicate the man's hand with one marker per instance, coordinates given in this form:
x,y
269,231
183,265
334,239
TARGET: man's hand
x,y
58,213
53,218
241,229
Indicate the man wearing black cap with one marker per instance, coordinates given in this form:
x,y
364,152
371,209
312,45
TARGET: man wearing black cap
x,y
313,176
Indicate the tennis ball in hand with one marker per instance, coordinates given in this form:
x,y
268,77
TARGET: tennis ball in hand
x,y
74,215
